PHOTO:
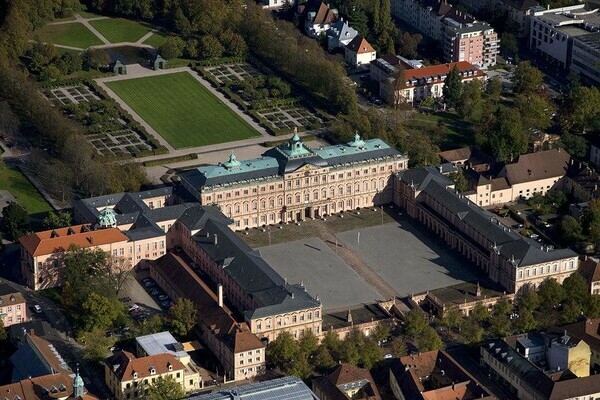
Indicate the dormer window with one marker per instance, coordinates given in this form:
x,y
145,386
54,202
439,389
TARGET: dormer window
x,y
135,375
170,367
152,370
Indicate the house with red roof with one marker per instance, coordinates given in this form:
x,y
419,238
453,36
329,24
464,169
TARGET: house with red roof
x,y
359,52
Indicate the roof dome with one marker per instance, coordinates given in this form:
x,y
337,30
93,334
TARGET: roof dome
x,y
107,218
232,162
357,142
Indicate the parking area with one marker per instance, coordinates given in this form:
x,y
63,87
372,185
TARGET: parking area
x,y
406,257
322,271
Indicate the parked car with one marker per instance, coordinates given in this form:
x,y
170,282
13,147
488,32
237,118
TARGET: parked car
x,y
163,297
154,292
125,299
166,304
37,309
133,307
124,330
534,236
388,356
149,283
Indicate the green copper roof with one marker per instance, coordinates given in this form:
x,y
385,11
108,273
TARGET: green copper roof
x,y
352,148
232,162
107,218
295,148
357,142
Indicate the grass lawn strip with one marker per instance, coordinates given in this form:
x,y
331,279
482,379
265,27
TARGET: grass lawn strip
x,y
74,34
156,40
182,111
27,196
118,30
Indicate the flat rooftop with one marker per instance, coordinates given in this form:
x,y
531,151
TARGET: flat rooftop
x,y
466,292
160,343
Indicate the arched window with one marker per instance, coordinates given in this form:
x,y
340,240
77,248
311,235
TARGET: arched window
x,y
324,193
254,205
280,200
237,208
263,204
298,198
316,195
366,186
228,211
349,189
289,200
349,203
271,202
306,196
340,190
246,207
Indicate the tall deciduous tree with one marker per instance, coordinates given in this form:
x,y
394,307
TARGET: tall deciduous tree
x,y
452,88
165,388
527,79
16,219
183,316
100,312
551,293
57,220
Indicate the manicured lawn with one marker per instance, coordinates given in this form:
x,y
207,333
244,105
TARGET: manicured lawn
x,y
118,30
183,111
156,40
27,196
75,34
459,132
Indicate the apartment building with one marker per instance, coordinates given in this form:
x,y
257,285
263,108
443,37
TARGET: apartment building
x,y
419,83
13,307
542,366
130,377
568,38
518,10
434,374
292,182
504,256
462,37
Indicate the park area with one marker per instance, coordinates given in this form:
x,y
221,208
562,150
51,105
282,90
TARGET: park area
x,y
73,34
13,181
182,110
119,30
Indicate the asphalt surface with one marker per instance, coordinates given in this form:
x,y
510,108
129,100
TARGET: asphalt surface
x,y
322,271
406,257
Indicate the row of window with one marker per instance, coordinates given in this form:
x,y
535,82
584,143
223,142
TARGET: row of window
x,y
294,319
529,272
9,309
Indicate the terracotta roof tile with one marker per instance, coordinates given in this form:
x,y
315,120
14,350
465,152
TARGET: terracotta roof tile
x,y
360,45
124,365
56,240
47,387
439,72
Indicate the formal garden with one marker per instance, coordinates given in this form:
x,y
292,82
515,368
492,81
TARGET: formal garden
x,y
109,130
265,96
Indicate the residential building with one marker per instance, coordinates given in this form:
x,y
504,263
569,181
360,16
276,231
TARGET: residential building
x,y
292,182
567,38
130,377
434,375
58,386
17,333
462,37
518,11
340,35
503,255
275,4
471,158
346,381
581,182
42,253
587,330
319,18
240,352
359,52
13,307
474,42
542,366
40,373
36,357
419,83
288,388
165,343
589,267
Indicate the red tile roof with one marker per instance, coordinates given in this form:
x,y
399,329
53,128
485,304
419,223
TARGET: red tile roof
x,y
47,387
324,15
439,72
124,364
57,240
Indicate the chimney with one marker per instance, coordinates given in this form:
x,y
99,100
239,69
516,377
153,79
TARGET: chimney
x,y
220,294
349,317
215,236
478,293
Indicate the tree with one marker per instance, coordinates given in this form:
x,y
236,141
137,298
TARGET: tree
x,y
117,271
528,299
210,47
583,109
525,321
3,334
508,45
571,311
551,293
500,321
9,122
576,145
493,89
527,79
570,230
333,344
382,332
323,359
591,308
57,220
172,47
460,181
182,316
95,59
507,138
452,88
576,288
165,388
409,45
308,342
154,324
282,351
470,103
95,343
429,340
536,111
480,313
398,347
370,353
451,318
415,322
235,45
16,220
471,330
100,312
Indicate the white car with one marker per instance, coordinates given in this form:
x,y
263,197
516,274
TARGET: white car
x,y
37,309
388,356
133,307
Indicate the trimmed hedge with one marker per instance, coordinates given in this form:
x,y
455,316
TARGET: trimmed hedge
x,y
162,161
212,62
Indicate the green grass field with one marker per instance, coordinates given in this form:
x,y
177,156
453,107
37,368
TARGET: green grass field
x,y
27,196
156,40
183,111
74,34
118,30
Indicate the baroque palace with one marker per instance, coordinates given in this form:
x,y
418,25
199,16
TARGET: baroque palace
x,y
293,182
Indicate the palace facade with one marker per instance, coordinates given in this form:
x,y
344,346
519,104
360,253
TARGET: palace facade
x,y
293,182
